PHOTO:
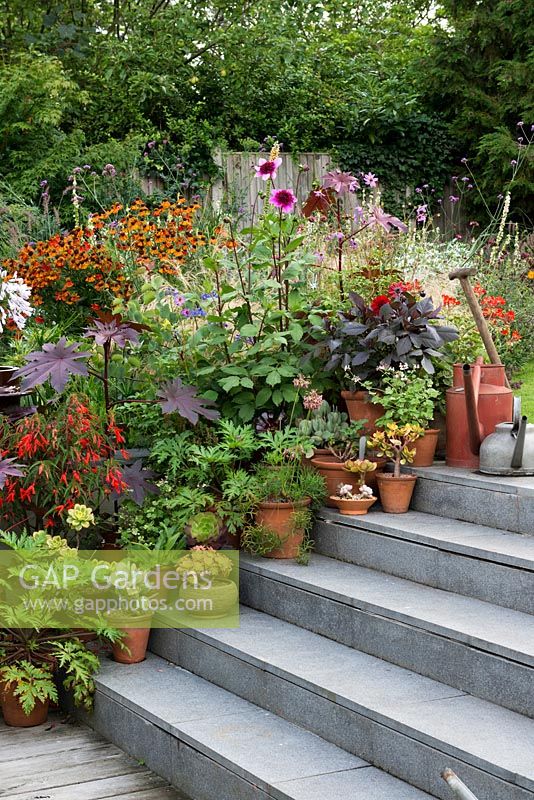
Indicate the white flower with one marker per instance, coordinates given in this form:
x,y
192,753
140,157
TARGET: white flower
x,y
14,297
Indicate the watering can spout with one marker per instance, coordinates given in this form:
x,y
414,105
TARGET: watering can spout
x,y
472,388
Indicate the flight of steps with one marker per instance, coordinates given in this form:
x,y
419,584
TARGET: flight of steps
x,y
405,647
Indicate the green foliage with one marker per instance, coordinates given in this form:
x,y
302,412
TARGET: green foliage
x,y
479,70
289,483
79,665
32,684
407,396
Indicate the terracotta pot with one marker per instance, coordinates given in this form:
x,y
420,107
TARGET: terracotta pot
x,y
14,714
222,595
334,473
351,508
359,407
278,518
136,640
396,493
425,448
318,453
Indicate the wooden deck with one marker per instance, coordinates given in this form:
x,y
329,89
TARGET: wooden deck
x,y
66,761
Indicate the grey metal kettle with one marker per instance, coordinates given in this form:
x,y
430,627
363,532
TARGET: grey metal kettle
x,y
510,449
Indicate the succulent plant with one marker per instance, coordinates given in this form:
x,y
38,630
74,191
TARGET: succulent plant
x,y
324,425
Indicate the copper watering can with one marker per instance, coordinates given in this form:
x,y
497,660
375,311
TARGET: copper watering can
x,y
477,402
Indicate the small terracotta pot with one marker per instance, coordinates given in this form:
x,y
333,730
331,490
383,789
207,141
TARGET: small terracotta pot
x,y
359,407
222,595
334,473
278,518
14,714
136,640
351,508
396,493
425,448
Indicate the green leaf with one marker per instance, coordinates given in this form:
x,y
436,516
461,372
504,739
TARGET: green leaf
x,y
263,396
249,330
246,412
273,378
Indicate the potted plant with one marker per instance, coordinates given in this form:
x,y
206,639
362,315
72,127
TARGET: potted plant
x,y
134,626
207,588
407,397
342,445
400,327
351,502
319,429
283,517
27,692
395,442
365,470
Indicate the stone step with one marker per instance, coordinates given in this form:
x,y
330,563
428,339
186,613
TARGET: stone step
x,y
506,503
473,560
214,745
476,647
406,724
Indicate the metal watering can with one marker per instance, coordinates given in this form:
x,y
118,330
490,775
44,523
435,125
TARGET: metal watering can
x,y
510,449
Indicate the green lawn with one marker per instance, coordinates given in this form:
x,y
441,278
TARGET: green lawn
x,y
527,390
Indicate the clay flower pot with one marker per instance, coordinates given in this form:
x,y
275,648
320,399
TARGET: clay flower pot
x,y
136,640
317,453
425,448
396,493
211,603
351,508
334,473
359,407
278,518
14,714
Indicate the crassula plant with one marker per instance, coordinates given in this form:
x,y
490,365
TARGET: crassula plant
x,y
360,467
406,394
401,327
394,442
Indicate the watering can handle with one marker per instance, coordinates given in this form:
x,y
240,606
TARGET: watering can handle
x,y
517,417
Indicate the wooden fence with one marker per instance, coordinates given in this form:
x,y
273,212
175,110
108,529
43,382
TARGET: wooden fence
x,y
238,190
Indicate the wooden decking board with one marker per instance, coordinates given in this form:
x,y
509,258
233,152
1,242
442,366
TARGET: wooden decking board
x,y
60,761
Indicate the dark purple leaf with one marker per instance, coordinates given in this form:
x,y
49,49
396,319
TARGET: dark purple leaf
x,y
176,396
55,362
112,331
9,469
139,481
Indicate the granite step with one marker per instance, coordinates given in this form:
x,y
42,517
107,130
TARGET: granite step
x,y
475,646
503,502
213,745
457,556
403,723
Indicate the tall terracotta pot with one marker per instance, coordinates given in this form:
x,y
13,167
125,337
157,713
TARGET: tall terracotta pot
x,y
425,448
278,518
360,407
334,473
396,493
14,714
136,640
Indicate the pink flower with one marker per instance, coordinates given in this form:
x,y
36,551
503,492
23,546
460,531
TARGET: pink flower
x,y
370,180
421,213
267,169
284,199
313,401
